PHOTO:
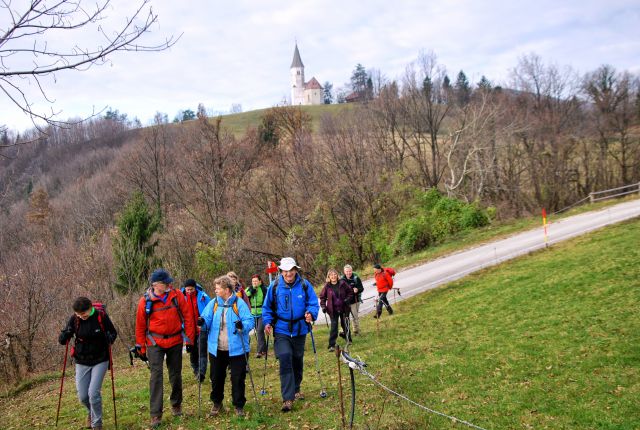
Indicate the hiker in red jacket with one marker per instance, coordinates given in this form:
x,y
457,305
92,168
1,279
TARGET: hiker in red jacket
x,y
162,314
384,284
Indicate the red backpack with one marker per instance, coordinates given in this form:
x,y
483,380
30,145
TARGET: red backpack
x,y
390,271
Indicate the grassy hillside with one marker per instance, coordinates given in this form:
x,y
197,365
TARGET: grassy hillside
x,y
238,123
548,341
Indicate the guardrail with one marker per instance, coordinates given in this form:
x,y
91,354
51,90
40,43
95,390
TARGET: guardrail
x,y
632,188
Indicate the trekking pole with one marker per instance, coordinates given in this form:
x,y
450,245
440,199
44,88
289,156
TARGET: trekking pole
x,y
344,424
199,339
264,376
246,356
64,368
323,392
113,389
377,317
325,319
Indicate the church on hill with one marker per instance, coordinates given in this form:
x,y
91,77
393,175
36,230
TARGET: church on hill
x,y
303,93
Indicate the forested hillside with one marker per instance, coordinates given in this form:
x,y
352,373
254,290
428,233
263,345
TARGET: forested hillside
x,y
420,159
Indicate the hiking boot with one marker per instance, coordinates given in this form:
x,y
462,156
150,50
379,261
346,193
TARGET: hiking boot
x,y
390,310
176,410
88,422
202,377
299,396
259,355
341,334
287,405
97,428
155,422
215,410
331,349
239,412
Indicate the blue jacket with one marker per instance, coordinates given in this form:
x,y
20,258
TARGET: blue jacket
x,y
238,341
202,298
292,304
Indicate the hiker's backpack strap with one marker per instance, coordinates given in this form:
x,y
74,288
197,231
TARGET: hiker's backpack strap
x,y
234,307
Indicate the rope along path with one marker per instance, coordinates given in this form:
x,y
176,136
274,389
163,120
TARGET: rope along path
x,y
360,366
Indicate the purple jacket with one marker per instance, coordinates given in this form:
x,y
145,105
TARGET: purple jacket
x,y
330,302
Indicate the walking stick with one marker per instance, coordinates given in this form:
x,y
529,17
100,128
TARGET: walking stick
x,y
264,376
325,319
344,424
113,389
199,375
64,368
323,392
378,317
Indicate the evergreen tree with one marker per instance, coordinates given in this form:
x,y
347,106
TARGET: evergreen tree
x,y
133,247
359,80
462,89
484,84
327,93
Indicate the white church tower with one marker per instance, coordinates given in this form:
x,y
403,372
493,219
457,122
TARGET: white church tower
x,y
297,79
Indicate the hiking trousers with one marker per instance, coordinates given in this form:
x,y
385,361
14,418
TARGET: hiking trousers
x,y
355,308
199,369
382,299
238,366
262,345
333,334
290,353
89,384
156,357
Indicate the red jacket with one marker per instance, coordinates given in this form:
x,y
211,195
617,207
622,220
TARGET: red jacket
x,y
164,321
384,281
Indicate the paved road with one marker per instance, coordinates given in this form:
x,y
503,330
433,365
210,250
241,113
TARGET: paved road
x,y
446,269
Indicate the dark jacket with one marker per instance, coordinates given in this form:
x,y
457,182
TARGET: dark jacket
x,y
328,298
91,344
355,282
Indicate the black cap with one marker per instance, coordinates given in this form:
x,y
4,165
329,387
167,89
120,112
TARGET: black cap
x,y
189,283
377,266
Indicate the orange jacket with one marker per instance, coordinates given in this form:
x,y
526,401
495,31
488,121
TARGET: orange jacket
x,y
384,281
165,324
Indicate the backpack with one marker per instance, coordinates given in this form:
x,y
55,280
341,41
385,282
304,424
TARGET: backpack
x,y
274,302
234,307
101,309
391,271
148,309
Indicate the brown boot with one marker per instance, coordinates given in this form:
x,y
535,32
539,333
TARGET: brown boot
x,y
176,410
215,410
88,422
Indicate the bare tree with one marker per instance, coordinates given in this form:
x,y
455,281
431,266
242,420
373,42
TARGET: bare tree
x,y
31,47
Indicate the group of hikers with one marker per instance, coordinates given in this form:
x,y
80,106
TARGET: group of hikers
x,y
216,333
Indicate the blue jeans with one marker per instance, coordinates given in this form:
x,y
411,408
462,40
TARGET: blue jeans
x,y
290,353
89,383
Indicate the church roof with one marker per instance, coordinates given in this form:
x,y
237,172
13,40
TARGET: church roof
x,y
297,62
313,84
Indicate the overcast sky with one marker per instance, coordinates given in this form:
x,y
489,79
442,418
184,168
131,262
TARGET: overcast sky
x,y
240,51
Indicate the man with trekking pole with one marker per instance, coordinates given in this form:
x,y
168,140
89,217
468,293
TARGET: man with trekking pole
x,y
384,284
94,334
352,278
290,306
163,323
197,299
227,321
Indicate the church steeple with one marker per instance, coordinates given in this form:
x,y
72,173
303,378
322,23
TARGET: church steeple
x,y
297,61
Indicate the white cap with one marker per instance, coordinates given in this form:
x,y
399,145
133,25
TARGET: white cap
x,y
288,263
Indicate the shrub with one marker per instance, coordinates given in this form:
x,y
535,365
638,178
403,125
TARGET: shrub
x,y
413,234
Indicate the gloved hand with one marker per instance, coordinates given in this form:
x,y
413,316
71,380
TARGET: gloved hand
x,y
189,348
142,354
239,325
65,335
200,322
111,337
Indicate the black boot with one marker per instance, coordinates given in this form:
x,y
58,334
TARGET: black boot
x,y
390,310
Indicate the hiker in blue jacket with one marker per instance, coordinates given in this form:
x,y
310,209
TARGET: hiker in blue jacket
x,y
227,321
197,299
290,307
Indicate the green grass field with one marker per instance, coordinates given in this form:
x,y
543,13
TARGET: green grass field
x,y
548,341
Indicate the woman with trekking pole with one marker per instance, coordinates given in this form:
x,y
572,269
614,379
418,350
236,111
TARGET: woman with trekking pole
x,y
228,321
335,299
94,334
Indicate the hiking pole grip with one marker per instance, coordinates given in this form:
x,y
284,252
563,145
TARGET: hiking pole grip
x,y
64,368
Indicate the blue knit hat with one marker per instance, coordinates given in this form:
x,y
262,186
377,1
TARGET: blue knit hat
x,y
160,275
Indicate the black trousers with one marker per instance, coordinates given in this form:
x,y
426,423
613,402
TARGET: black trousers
x,y
238,366
333,333
382,299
